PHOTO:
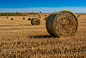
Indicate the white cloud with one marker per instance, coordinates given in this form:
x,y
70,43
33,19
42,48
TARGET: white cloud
x,y
45,9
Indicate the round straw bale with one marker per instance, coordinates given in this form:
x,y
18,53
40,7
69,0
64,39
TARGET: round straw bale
x,y
7,17
62,23
34,15
23,17
35,21
11,18
39,17
45,15
45,18
29,18
78,16
40,12
24,14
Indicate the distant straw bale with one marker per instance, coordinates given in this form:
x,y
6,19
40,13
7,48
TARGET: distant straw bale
x,y
34,15
24,14
40,12
35,21
11,18
23,17
7,17
45,18
29,18
78,16
40,17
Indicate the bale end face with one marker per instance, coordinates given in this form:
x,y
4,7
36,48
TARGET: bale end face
x,y
61,24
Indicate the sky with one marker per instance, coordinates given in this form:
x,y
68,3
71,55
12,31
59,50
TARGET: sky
x,y
44,6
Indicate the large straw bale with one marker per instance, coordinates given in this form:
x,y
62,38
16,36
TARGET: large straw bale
x,y
62,23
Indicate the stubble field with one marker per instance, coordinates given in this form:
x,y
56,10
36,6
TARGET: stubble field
x,y
20,39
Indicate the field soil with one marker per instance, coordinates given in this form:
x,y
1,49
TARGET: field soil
x,y
20,39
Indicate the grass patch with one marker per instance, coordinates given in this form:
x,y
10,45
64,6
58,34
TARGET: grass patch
x,y
17,14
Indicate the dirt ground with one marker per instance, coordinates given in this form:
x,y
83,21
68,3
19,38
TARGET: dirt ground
x,y
20,39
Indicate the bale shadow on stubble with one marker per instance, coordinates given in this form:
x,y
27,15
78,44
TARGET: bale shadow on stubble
x,y
42,36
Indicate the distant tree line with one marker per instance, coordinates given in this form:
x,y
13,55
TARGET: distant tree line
x,y
16,14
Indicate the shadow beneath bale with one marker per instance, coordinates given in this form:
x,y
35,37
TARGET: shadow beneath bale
x,y
42,36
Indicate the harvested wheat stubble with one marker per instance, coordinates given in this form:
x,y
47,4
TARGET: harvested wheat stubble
x,y
11,18
61,24
45,18
35,21
23,17
42,47
29,18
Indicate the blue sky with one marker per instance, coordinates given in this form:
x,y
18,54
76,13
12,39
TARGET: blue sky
x,y
45,6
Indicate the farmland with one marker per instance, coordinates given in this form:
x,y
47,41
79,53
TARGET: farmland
x,y
20,39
